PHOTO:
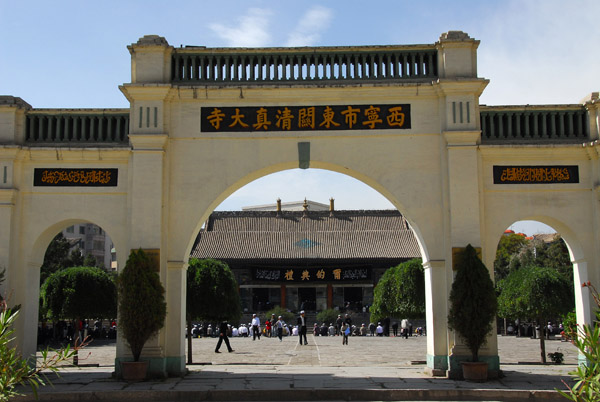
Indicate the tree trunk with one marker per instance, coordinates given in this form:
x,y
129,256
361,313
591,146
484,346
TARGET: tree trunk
x,y
542,344
76,340
189,340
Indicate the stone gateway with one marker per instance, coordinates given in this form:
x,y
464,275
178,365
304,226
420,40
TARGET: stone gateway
x,y
204,122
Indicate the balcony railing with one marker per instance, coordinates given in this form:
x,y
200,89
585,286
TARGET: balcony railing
x,y
534,124
302,65
76,128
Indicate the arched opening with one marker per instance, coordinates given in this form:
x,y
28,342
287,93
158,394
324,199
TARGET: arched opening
x,y
77,296
534,271
287,235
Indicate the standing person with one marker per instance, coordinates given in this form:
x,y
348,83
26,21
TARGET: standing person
x,y
279,325
223,337
268,328
273,326
338,325
348,320
345,333
372,329
255,327
404,326
302,328
395,328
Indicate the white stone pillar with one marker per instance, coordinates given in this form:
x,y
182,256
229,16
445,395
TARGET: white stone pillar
x,y
436,310
146,222
583,304
27,293
176,291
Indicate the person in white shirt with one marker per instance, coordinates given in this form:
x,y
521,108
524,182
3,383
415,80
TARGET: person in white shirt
x,y
302,328
255,327
279,324
379,329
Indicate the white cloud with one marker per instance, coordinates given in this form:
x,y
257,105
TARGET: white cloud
x,y
311,25
250,31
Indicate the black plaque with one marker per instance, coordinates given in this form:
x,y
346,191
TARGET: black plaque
x,y
60,177
304,118
536,174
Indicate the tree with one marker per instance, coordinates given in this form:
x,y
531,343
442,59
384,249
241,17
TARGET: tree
x,y
56,257
141,299
77,293
212,294
473,303
90,261
400,292
535,293
508,247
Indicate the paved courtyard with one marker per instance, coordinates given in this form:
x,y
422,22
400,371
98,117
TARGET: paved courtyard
x,y
367,369
329,352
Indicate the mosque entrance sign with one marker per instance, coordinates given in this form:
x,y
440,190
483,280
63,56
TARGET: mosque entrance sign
x,y
202,123
305,118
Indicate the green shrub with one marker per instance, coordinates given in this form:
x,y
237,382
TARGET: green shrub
x,y
287,316
473,303
328,316
142,307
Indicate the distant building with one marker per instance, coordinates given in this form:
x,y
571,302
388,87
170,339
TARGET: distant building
x,y
289,206
306,259
92,240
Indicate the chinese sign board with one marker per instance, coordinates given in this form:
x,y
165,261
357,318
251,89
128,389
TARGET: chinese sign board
x,y
75,177
304,118
302,275
536,174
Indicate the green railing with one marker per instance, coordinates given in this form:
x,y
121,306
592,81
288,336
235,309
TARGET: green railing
x,y
73,128
534,124
302,65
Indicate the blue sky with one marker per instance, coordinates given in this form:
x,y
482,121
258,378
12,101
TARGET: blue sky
x,y
64,54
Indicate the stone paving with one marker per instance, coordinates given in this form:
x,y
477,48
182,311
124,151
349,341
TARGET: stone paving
x,y
367,369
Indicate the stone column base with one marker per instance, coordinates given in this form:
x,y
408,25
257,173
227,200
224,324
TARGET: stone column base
x,y
436,365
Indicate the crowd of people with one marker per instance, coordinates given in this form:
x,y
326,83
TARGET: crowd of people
x,y
67,331
276,327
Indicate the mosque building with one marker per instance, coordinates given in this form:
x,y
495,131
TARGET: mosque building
x,y
305,256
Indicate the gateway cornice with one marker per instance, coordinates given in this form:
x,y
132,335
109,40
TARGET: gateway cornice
x,y
105,155
326,94
532,152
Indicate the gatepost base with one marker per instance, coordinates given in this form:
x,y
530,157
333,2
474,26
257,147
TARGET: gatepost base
x,y
437,366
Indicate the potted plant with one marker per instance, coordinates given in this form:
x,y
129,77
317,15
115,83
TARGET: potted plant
x,y
473,307
142,309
